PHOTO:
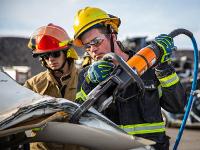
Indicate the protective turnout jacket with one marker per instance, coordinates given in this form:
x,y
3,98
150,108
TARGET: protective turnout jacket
x,y
45,84
141,116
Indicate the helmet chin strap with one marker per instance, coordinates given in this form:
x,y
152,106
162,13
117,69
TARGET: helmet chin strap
x,y
112,44
112,47
59,70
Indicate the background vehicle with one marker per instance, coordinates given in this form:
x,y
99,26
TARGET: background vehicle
x,y
193,121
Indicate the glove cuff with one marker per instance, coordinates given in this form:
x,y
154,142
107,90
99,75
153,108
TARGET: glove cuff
x,y
86,87
166,75
164,69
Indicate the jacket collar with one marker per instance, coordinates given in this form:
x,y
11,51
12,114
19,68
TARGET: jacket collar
x,y
65,78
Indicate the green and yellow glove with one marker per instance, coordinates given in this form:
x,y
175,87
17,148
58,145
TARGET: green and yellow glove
x,y
166,44
99,71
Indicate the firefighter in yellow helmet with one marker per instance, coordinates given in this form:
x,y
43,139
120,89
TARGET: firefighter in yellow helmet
x,y
96,31
53,46
89,18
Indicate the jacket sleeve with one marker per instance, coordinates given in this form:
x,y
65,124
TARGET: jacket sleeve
x,y
28,85
173,96
83,87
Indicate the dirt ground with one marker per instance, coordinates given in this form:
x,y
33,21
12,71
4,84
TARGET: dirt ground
x,y
190,139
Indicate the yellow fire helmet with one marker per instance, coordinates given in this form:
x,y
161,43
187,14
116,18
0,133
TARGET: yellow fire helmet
x,y
90,16
51,38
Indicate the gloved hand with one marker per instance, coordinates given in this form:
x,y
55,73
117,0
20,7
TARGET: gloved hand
x,y
99,71
166,43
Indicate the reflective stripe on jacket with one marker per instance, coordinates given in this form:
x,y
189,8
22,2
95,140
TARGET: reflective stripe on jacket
x,y
144,128
169,80
141,115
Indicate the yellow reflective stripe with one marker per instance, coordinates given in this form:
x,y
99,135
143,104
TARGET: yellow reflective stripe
x,y
159,91
37,129
169,80
64,43
143,125
144,128
146,131
81,95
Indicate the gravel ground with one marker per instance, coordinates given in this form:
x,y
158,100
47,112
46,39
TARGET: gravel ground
x,y
190,139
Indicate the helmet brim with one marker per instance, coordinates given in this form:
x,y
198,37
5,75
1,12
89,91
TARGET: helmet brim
x,y
86,27
40,52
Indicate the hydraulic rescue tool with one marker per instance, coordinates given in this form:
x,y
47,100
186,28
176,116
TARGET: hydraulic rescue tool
x,y
122,76
126,72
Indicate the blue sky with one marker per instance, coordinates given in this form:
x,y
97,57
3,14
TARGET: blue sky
x,y
139,17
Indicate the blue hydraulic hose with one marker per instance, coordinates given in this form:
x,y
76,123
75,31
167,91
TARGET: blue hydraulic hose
x,y
194,83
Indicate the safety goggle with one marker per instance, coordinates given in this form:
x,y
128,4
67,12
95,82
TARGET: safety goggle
x,y
51,54
95,42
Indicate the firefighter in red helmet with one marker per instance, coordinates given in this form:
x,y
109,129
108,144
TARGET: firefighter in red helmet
x,y
53,46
